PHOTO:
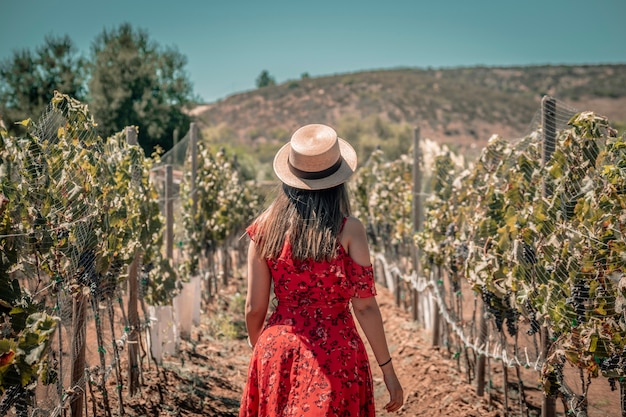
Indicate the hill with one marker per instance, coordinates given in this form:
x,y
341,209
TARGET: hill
x,y
461,107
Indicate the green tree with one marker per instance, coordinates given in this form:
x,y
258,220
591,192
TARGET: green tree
x,y
265,79
134,81
29,78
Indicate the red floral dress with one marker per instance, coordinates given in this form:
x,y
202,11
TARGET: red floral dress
x,y
310,359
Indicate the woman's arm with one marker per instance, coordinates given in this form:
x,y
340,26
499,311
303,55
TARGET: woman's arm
x,y
257,299
367,313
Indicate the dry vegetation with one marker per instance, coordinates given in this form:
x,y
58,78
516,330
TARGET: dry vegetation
x,y
461,107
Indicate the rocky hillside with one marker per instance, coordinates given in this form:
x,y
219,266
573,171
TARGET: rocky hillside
x,y
458,106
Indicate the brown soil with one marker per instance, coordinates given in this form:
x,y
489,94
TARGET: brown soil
x,y
206,378
208,374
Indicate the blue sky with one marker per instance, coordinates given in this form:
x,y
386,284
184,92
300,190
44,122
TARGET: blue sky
x,y
229,42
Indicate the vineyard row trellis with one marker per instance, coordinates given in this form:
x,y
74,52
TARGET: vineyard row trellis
x,y
496,244
392,198
533,356
81,215
81,241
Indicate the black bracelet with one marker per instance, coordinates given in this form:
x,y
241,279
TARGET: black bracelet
x,y
383,364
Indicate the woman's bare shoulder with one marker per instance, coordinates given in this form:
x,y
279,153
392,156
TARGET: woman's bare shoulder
x,y
353,226
353,229
354,240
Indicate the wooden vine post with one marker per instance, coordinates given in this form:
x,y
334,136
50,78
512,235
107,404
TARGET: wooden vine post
x,y
548,122
622,386
226,264
175,137
133,294
482,357
193,154
193,147
416,215
435,305
435,309
397,283
169,212
79,312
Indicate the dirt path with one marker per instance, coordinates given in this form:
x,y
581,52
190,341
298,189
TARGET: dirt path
x,y
207,376
432,383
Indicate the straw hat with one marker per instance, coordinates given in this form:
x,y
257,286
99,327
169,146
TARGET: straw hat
x,y
315,159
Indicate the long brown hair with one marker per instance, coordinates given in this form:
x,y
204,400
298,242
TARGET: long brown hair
x,y
309,219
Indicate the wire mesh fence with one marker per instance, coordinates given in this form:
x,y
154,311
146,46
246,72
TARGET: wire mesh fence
x,y
73,256
77,213
490,300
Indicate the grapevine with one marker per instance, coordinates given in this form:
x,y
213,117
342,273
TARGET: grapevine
x,y
383,194
225,205
75,209
545,243
442,242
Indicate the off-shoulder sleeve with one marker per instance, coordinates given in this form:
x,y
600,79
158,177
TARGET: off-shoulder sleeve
x,y
362,278
251,231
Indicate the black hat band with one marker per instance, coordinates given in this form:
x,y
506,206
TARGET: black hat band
x,y
316,175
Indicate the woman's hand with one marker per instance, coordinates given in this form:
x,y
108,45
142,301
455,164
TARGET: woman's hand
x,y
396,395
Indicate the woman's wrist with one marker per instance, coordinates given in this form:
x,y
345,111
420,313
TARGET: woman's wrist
x,y
387,362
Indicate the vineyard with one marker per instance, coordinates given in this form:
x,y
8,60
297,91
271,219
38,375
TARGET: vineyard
x,y
513,262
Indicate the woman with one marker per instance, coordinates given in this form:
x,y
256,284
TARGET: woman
x,y
308,359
